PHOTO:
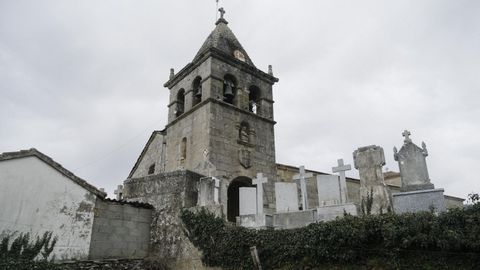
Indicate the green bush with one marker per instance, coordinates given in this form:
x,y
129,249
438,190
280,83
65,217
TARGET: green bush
x,y
21,253
450,240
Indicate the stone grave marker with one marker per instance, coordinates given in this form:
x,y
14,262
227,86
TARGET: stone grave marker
x,y
286,197
248,201
412,164
206,191
259,181
302,176
418,193
369,161
341,169
119,193
328,188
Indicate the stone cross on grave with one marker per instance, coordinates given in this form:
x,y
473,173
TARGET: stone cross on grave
x,y
407,134
302,176
341,169
119,192
259,182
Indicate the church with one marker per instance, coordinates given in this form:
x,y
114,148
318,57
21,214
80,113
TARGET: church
x,y
219,141
220,122
221,126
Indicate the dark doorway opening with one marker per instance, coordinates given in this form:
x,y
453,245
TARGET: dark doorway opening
x,y
233,196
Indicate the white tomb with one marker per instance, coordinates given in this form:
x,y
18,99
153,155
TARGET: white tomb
x,y
251,205
329,190
302,176
286,197
248,201
333,194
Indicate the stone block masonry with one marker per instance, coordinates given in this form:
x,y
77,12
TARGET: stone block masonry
x,y
120,230
169,193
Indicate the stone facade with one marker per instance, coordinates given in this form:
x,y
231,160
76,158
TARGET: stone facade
x,y
233,132
169,193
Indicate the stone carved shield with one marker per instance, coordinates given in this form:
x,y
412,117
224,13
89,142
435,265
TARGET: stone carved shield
x,y
244,156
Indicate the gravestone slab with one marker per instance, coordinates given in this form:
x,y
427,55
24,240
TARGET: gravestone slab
x,y
329,190
286,197
412,164
259,181
369,161
206,191
302,176
419,200
341,169
248,200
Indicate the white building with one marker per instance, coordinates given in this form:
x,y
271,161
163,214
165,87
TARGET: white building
x,y
37,195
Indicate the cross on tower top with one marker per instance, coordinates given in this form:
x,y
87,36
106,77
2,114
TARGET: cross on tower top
x,y
407,134
222,12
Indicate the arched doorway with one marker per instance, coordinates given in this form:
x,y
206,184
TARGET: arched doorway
x,y
233,196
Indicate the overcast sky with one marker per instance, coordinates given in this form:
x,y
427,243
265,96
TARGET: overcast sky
x,y
82,81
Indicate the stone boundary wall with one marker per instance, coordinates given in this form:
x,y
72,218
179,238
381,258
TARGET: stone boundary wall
x,y
169,193
120,231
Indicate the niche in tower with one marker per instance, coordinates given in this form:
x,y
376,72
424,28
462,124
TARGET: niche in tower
x,y
229,88
246,134
254,99
197,90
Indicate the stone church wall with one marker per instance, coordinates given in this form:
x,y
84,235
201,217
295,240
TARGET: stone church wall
x,y
226,147
168,193
120,231
193,126
152,156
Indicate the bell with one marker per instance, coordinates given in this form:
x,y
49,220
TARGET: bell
x,y
198,92
228,91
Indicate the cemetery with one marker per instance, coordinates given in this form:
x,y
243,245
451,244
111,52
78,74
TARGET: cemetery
x,y
206,192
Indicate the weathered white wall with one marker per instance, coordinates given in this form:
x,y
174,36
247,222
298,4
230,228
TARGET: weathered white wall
x,y
36,198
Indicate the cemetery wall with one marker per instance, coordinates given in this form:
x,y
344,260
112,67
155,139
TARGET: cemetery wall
x,y
120,230
168,193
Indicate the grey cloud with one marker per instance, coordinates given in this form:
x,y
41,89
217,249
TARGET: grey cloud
x,y
82,81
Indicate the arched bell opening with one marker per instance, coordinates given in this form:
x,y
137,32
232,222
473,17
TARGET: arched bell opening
x,y
229,88
233,196
197,90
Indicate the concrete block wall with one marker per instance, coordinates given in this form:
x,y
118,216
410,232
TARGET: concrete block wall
x,y
120,231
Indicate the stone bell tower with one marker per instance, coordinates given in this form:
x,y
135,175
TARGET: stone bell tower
x,y
220,118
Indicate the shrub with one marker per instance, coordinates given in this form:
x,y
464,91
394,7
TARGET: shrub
x,y
21,252
450,240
